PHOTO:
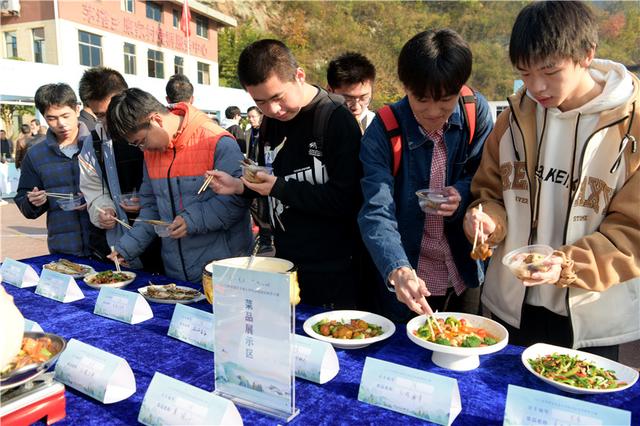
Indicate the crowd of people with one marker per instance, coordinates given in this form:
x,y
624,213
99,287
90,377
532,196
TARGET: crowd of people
x,y
337,196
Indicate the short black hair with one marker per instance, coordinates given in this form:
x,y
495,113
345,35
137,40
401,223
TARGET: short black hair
x,y
232,112
25,129
59,94
348,69
262,58
98,83
128,112
552,29
35,120
254,108
435,63
179,89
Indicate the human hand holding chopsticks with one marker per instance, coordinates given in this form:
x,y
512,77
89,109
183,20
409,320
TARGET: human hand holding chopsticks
x,y
223,183
115,256
37,197
106,218
178,228
477,220
411,290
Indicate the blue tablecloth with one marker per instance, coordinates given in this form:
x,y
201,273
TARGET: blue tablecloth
x,y
148,349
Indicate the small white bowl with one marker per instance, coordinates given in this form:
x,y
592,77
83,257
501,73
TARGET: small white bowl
x,y
69,204
161,230
515,260
431,199
131,199
459,358
249,172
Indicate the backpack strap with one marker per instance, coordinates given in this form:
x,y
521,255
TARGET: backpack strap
x,y
468,103
97,148
391,126
327,103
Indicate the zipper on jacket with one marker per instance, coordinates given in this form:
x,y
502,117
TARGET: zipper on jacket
x,y
536,202
571,188
173,211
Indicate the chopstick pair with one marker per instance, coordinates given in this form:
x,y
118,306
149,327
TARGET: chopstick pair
x,y
475,237
206,183
429,317
58,195
125,224
115,260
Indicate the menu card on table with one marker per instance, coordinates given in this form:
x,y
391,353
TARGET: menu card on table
x,y
94,372
57,286
122,305
409,391
316,361
192,326
254,329
532,407
18,274
171,402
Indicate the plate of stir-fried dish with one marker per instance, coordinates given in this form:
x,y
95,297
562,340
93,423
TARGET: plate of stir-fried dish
x,y
576,371
109,279
349,329
170,293
38,352
67,267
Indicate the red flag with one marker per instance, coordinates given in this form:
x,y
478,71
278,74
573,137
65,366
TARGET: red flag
x,y
186,19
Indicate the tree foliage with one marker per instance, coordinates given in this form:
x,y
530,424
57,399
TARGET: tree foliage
x,y
318,31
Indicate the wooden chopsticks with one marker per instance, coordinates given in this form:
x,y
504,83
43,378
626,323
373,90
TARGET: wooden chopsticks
x,y
206,183
125,224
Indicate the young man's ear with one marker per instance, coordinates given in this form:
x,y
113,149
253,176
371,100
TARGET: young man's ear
x,y
330,89
300,75
586,61
78,108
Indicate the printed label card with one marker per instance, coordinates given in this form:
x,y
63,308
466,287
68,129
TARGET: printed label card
x,y
32,326
94,372
316,361
532,407
122,305
57,286
406,390
171,402
192,326
18,274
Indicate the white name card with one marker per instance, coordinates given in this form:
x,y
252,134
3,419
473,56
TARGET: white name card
x,y
94,372
192,326
122,305
533,407
32,326
57,286
409,391
18,274
316,361
171,402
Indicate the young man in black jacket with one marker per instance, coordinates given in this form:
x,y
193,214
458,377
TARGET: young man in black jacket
x,y
314,191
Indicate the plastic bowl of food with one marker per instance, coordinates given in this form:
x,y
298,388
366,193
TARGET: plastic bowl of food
x,y
466,338
527,260
130,199
249,172
161,230
71,203
430,199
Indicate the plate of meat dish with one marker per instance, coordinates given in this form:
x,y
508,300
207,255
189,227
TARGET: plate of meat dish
x,y
109,279
67,267
170,293
349,329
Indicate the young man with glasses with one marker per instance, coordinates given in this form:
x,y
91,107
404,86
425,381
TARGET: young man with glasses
x,y
352,76
179,145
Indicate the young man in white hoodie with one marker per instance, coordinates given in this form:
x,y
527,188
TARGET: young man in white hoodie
x,y
561,168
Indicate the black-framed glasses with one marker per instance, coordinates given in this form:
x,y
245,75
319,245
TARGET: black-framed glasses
x,y
363,100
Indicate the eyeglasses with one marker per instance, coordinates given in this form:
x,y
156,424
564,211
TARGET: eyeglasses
x,y
142,144
363,100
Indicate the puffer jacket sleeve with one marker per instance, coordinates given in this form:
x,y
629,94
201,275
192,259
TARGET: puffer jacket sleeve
x,y
486,186
92,186
29,179
484,125
136,239
377,217
221,211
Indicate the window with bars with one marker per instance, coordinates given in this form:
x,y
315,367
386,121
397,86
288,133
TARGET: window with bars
x,y
203,73
178,65
11,41
155,62
38,44
90,49
129,58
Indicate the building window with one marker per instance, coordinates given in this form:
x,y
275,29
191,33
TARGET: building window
x,y
154,11
12,44
38,44
127,5
178,65
90,49
129,58
155,62
202,26
176,18
203,73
